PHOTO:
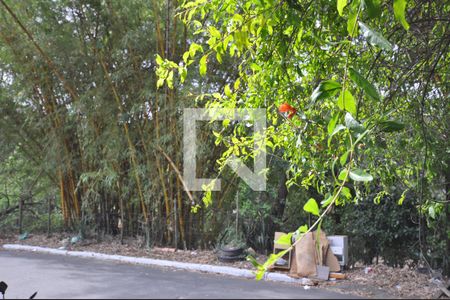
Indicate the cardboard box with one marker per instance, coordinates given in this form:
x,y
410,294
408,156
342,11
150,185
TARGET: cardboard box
x,y
277,248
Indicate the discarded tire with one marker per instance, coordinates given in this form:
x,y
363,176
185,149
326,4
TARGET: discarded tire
x,y
231,258
225,251
231,254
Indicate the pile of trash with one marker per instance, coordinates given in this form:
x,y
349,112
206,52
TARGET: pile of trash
x,y
311,257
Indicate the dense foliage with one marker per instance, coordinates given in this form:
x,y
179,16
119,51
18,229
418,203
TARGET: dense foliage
x,y
357,105
359,82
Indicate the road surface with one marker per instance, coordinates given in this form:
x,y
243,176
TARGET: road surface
x,y
70,277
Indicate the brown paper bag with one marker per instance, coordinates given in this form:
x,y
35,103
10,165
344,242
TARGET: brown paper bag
x,y
304,258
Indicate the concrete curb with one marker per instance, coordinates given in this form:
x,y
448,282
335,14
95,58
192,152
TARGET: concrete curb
x,y
235,272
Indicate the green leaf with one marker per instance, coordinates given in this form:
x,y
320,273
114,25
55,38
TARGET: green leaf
x,y
193,48
347,102
255,67
361,136
312,207
237,84
285,239
214,32
203,67
374,38
432,212
379,196
332,123
399,12
343,175
373,8
402,198
219,57
343,159
260,274
303,229
239,19
352,124
391,126
352,24
159,59
183,74
160,82
365,85
216,134
327,201
360,175
227,91
346,193
272,260
326,89
338,128
186,56
169,80
341,4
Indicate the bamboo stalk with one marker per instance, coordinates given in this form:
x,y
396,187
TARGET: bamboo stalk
x,y
180,216
159,38
130,144
63,199
166,195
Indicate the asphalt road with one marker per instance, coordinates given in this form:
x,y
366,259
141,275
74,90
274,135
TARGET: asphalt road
x,y
70,277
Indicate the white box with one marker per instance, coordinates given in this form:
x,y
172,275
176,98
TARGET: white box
x,y
339,247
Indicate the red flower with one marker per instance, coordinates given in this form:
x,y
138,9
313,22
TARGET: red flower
x,y
284,108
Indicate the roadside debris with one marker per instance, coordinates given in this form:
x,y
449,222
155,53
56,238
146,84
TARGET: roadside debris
x,y
335,276
380,282
312,257
167,250
76,239
24,236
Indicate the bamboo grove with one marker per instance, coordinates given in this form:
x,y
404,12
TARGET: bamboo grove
x,y
96,123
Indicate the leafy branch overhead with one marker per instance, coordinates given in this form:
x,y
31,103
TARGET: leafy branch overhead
x,y
335,71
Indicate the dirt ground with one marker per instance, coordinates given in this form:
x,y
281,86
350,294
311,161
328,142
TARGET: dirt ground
x,y
376,281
